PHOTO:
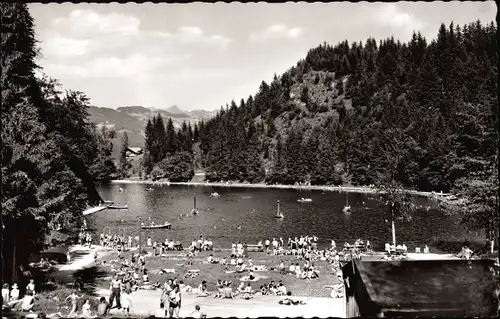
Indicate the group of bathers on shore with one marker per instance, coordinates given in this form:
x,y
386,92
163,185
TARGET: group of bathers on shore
x,y
297,245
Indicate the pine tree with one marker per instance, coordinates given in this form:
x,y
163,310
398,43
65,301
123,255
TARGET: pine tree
x,y
124,162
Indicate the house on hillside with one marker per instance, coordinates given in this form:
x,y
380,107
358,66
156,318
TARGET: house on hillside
x,y
420,288
133,151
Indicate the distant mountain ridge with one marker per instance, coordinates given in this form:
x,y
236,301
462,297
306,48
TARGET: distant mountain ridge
x,y
133,119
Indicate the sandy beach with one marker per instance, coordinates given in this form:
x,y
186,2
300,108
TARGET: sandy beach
x,y
347,189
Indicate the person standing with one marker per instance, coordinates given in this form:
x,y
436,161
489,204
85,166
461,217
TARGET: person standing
x,y
5,294
174,300
115,290
164,299
74,303
126,302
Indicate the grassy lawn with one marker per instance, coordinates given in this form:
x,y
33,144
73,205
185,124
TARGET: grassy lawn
x,y
177,260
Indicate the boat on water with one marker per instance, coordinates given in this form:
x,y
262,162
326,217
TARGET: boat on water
x,y
304,200
167,225
108,202
347,209
150,189
194,211
215,194
280,215
117,206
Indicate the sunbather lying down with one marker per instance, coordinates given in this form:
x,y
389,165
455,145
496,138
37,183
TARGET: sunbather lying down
x,y
166,271
259,268
288,301
252,278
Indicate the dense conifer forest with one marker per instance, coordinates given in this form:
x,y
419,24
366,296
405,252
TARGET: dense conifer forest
x,y
419,114
52,156
423,114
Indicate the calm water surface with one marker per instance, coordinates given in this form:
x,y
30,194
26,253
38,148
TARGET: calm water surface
x,y
252,210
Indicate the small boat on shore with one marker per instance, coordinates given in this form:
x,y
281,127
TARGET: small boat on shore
x,y
167,225
117,206
108,202
304,200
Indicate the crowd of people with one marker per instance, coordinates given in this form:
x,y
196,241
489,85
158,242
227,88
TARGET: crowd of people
x,y
10,297
131,274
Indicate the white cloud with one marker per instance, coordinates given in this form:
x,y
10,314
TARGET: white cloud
x,y
277,31
137,65
86,44
83,22
191,34
64,47
391,16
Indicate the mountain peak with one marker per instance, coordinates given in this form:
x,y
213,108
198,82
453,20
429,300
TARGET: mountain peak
x,y
174,109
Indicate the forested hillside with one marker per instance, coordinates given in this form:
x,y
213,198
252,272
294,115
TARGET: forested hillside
x,y
52,156
423,114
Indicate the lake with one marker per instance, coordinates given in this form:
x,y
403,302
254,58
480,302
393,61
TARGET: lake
x,y
247,215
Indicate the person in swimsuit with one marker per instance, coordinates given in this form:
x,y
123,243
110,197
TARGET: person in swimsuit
x,y
74,303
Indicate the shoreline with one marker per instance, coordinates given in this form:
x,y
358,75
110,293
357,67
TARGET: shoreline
x,y
347,189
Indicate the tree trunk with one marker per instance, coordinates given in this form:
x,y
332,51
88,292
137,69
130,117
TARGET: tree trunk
x,y
14,270
393,232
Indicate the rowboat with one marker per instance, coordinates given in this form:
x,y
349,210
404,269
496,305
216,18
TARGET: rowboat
x,y
117,207
304,200
164,226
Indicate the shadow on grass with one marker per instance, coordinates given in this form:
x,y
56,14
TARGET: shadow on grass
x,y
85,280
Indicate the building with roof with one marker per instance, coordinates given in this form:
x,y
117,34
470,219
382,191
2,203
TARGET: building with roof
x,y
420,288
133,151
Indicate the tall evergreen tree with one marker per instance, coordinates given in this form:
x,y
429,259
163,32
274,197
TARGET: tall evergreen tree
x,y
124,162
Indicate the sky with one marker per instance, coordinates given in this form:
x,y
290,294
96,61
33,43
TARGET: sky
x,y
201,55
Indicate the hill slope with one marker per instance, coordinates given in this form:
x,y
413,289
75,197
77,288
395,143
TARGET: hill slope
x,y
419,113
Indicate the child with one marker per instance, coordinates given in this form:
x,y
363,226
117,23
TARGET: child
x,y
14,292
31,286
247,292
126,301
86,312
74,303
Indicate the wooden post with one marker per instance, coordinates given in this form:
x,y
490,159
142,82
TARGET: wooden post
x,y
140,242
393,232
